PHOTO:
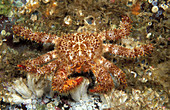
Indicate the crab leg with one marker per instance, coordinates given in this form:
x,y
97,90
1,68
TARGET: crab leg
x,y
121,32
115,71
104,80
62,83
46,69
127,52
50,67
41,59
33,65
34,36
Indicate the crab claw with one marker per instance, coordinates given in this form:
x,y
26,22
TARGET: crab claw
x,y
67,85
21,66
72,83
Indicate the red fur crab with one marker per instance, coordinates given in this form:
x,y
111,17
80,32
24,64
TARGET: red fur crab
x,y
81,52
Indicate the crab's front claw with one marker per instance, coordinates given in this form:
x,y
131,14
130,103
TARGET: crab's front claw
x,y
21,67
71,84
27,68
63,86
31,69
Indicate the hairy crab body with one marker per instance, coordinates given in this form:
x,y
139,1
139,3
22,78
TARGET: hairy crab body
x,y
81,52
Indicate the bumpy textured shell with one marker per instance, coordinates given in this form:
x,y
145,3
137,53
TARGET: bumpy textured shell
x,y
79,47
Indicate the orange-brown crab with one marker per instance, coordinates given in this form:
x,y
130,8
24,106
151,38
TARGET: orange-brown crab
x,y
81,52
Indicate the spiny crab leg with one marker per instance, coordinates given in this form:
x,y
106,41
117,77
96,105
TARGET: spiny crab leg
x,y
127,52
62,83
118,33
50,67
114,70
41,59
34,36
46,69
33,65
104,80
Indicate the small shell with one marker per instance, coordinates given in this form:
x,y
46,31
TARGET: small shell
x,y
149,23
150,1
155,9
55,4
67,20
154,3
148,35
3,32
46,1
80,13
90,20
49,105
129,3
34,17
164,6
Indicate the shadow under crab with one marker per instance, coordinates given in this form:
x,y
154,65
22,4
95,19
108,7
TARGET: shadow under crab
x,y
81,52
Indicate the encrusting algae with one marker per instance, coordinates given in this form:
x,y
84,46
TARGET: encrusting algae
x,y
92,39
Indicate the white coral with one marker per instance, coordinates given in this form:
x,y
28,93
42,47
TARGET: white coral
x,y
35,86
80,92
23,91
20,87
17,99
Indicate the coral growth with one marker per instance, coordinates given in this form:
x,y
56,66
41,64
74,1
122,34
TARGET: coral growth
x,y
145,99
22,91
